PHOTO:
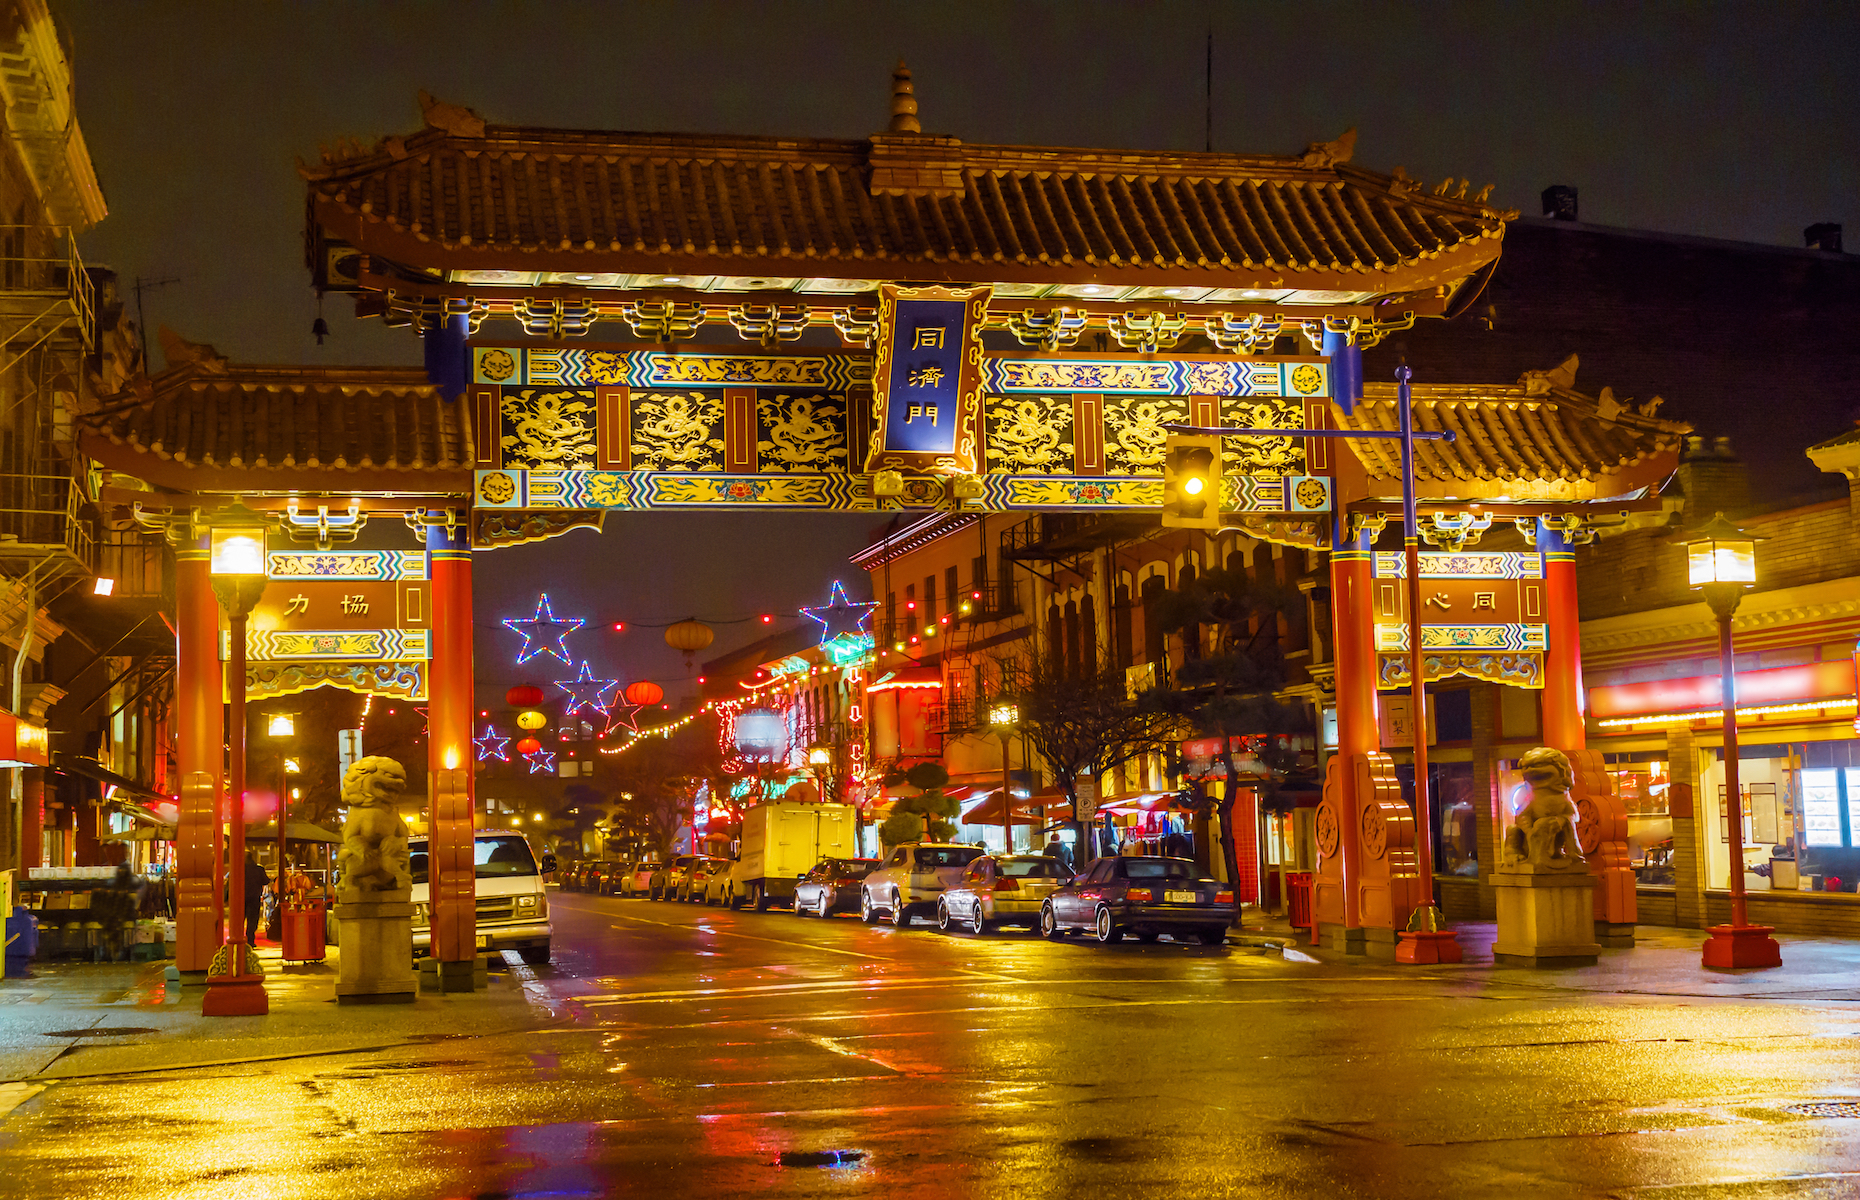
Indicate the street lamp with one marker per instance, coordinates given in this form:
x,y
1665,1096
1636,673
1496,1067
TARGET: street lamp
x,y
1003,716
237,569
1721,561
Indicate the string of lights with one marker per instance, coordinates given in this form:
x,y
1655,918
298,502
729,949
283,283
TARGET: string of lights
x,y
667,730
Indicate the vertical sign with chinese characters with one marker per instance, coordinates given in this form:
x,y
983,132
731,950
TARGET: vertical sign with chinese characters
x,y
927,379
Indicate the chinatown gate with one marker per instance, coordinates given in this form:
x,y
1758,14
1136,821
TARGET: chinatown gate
x,y
641,322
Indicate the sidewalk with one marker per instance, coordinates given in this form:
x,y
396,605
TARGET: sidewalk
x,y
52,1026
1663,962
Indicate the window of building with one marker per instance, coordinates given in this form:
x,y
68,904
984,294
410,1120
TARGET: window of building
x,y
929,613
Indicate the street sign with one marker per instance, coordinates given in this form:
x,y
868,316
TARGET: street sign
x,y
1087,792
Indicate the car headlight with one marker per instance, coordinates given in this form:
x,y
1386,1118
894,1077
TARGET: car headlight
x,y
526,903
419,914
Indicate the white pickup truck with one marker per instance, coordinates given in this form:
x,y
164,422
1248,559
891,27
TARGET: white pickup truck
x,y
513,910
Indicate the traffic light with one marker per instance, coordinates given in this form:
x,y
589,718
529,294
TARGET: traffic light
x,y
1192,482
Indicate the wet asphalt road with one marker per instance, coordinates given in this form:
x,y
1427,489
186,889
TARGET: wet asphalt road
x,y
682,1051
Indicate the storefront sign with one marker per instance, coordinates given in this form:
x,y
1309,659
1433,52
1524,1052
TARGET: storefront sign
x,y
1831,682
22,744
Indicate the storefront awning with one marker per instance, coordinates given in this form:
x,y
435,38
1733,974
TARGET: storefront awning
x,y
22,744
90,768
988,812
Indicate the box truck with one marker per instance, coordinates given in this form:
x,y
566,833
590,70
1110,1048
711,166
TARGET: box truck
x,y
782,842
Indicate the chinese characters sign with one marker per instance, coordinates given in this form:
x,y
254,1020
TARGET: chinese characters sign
x,y
926,382
349,606
1482,614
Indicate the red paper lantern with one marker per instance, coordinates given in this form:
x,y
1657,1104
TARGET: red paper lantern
x,y
644,693
524,695
528,746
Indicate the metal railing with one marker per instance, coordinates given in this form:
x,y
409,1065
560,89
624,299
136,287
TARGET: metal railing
x,y
44,290
41,516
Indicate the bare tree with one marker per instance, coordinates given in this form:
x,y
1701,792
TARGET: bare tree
x,y
1231,691
1085,723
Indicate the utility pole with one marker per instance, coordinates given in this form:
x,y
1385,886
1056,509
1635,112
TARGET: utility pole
x,y
142,321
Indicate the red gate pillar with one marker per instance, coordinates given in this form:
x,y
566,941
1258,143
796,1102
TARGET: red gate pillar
x,y
453,874
200,760
1601,815
1336,892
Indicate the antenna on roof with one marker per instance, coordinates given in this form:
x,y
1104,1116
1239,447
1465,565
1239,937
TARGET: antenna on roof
x,y
903,102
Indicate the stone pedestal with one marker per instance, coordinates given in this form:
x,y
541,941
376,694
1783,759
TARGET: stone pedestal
x,y
1616,935
1546,916
375,948
1339,937
473,974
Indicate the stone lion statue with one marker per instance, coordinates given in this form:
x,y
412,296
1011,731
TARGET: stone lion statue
x,y
374,838
1545,832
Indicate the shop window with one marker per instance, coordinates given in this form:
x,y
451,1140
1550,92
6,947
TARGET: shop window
x,y
1453,715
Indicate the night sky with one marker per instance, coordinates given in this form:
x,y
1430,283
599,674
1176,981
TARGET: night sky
x,y
1727,120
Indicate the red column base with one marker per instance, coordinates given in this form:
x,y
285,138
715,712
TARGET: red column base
x,y
236,996
1426,949
1732,947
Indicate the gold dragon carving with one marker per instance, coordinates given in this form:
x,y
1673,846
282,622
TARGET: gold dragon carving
x,y
1024,435
1137,438
805,433
548,430
671,432
1264,456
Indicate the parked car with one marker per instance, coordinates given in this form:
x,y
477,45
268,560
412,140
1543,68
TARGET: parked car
x,y
717,882
697,878
780,842
665,880
832,886
1146,896
584,873
911,880
513,909
637,881
607,882
1000,889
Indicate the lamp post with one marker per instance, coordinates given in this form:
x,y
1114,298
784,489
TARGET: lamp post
x,y
282,727
1721,561
236,566
1003,717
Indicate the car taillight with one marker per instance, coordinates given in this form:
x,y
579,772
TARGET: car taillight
x,y
1005,884
1140,895
1223,897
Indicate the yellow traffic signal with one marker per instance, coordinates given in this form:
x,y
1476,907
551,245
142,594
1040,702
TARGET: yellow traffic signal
x,y
1192,482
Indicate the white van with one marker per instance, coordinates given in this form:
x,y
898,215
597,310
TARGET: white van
x,y
781,843
513,911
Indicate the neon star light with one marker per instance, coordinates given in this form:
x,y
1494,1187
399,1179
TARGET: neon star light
x,y
541,760
492,745
585,691
840,617
544,633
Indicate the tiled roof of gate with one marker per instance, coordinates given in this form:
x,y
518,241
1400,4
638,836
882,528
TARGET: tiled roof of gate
x,y
885,206
326,422
1512,435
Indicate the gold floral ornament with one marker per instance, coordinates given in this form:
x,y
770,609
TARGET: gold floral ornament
x,y
1139,440
549,430
805,433
497,487
497,365
672,432
1024,436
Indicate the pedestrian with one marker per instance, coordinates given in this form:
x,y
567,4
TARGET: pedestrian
x,y
257,879
1058,851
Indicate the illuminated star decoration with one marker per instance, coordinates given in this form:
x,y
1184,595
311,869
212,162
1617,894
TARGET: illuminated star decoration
x,y
541,760
840,617
585,691
492,745
544,633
